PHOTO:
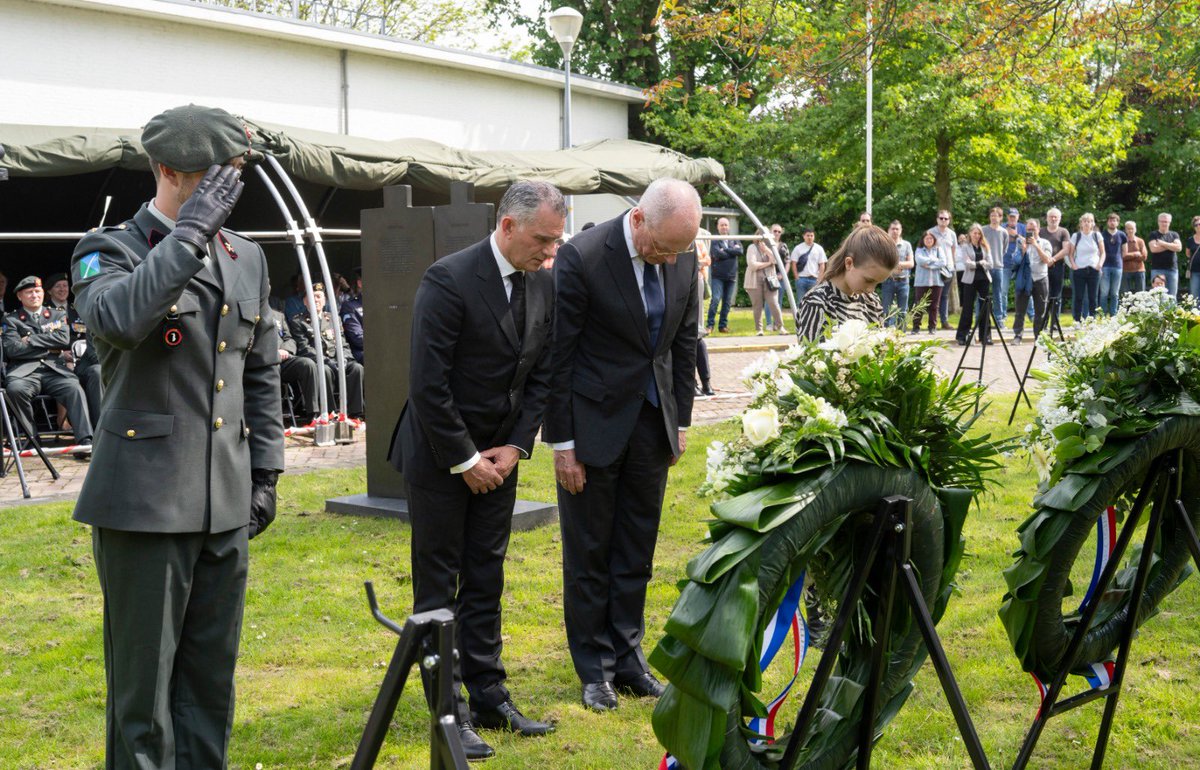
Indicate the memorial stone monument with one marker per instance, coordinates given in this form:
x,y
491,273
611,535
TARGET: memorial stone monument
x,y
399,241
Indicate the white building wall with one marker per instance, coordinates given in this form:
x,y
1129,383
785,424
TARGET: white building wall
x,y
107,64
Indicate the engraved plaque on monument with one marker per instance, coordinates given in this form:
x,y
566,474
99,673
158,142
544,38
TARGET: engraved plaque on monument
x,y
399,241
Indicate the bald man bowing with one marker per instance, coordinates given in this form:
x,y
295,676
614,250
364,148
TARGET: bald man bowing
x,y
621,397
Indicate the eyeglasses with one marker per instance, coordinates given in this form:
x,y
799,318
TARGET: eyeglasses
x,y
660,252
943,219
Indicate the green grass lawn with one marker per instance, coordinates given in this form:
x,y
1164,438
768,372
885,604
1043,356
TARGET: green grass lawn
x,y
313,658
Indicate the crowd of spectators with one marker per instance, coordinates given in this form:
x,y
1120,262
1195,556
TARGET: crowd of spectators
x,y
1014,267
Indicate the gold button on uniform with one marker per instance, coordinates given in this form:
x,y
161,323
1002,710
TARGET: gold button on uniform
x,y
257,318
220,385
217,423
174,310
221,347
224,309
131,433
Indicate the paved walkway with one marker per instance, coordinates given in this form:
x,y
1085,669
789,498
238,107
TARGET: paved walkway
x,y
728,356
300,453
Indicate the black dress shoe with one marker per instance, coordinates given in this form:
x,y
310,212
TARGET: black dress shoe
x,y
599,696
641,686
507,717
473,746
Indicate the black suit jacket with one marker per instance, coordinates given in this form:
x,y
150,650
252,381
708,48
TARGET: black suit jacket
x,y
472,383
602,354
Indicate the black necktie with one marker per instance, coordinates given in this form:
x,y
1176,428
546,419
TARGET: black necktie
x,y
516,302
656,307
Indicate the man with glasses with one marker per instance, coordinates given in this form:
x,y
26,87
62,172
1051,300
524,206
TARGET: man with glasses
x,y
947,246
621,393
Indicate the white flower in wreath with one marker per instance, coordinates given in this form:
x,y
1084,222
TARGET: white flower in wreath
x,y
784,384
764,366
1041,460
761,426
852,339
830,415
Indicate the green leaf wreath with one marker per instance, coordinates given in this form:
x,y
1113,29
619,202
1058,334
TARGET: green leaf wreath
x,y
831,428
1123,391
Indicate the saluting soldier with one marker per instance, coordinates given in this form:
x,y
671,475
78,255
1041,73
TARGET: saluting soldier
x,y
302,330
82,354
298,370
190,442
36,339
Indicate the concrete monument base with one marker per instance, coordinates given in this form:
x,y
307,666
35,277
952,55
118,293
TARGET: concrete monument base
x,y
526,514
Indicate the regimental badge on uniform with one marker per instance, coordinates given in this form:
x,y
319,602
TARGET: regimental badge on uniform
x,y
89,266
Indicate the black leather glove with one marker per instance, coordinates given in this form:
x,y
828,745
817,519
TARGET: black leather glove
x,y
262,499
201,216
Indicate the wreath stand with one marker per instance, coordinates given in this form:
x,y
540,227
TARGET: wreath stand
x,y
886,559
985,315
1022,391
432,633
1164,476
1053,324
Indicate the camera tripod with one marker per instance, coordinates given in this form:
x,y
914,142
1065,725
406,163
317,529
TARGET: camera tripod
x,y
8,438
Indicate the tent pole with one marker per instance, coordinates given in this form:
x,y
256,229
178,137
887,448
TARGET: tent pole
x,y
314,233
297,236
787,285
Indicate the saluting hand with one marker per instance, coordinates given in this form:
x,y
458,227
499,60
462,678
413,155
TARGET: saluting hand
x,y
568,471
210,204
482,477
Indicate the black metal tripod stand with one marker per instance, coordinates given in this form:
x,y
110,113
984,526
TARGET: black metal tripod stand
x,y
430,636
887,555
1165,479
984,319
8,438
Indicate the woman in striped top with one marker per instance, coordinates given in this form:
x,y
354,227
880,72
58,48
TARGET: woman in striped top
x,y
864,260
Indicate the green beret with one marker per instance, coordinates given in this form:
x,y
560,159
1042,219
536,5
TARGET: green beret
x,y
192,138
28,282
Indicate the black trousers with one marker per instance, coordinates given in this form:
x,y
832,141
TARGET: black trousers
x,y
609,531
89,378
971,292
172,619
302,372
458,544
702,362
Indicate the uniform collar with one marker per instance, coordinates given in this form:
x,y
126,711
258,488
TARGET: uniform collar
x,y
161,217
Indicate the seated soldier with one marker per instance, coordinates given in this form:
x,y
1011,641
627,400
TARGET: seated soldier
x,y
352,317
300,325
81,355
35,340
299,371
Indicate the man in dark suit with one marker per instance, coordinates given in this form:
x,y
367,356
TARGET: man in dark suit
x,y
189,443
480,376
621,398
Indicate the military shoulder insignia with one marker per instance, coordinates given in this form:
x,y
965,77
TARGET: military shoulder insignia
x,y
228,246
89,266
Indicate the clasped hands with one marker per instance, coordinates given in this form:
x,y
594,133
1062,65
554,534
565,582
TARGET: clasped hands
x,y
493,468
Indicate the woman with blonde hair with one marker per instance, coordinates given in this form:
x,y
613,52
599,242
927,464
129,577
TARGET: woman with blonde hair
x,y
976,284
762,284
847,291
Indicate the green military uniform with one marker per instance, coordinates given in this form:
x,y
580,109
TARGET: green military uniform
x,y
189,361
302,330
87,365
298,370
33,347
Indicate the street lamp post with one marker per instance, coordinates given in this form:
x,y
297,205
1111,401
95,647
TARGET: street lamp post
x,y
564,25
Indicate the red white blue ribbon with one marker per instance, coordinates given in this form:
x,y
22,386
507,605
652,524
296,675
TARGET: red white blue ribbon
x,y
787,618
1106,528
